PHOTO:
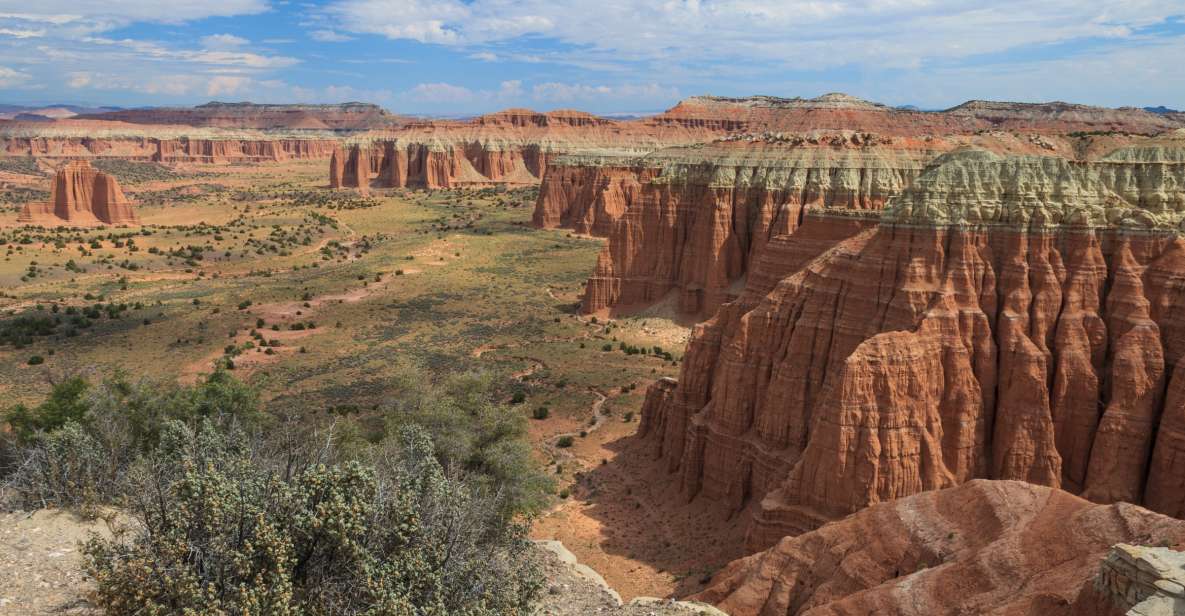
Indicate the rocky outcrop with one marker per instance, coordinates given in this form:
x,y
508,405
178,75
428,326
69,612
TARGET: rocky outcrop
x,y
403,164
986,547
236,151
1142,581
1009,318
81,196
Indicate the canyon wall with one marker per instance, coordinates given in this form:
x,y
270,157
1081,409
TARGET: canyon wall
x,y
689,222
985,547
81,196
1011,317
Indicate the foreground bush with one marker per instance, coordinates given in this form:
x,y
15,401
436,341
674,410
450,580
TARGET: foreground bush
x,y
236,511
238,536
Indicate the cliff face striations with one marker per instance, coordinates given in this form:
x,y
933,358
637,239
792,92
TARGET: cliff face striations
x,y
1012,317
986,547
691,221
81,196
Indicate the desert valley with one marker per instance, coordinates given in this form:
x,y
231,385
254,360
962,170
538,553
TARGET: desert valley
x,y
767,355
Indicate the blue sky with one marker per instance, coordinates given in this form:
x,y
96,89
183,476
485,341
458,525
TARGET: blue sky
x,y
469,56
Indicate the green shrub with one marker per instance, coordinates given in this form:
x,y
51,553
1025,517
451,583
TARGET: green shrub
x,y
565,442
541,413
36,360
241,536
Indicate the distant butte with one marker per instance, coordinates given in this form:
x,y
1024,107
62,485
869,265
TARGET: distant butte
x,y
82,196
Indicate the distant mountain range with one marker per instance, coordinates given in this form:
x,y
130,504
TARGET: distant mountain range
x,y
47,112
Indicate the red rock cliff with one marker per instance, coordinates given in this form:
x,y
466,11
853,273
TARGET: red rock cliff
x,y
692,221
1011,318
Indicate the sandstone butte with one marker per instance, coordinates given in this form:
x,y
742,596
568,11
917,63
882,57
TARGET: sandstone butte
x,y
1008,317
686,223
81,196
985,547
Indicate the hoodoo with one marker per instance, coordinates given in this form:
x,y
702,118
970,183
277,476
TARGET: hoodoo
x,y
1011,317
82,196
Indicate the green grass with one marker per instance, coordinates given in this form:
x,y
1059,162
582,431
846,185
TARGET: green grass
x,y
444,307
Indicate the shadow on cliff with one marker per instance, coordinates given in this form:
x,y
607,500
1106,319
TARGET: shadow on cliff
x,y
644,516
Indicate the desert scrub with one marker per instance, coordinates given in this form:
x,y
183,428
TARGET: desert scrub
x,y
253,512
241,533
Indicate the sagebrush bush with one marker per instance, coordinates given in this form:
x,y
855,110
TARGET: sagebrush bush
x,y
239,535
236,511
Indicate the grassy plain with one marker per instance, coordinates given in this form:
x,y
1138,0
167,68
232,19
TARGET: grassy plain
x,y
323,298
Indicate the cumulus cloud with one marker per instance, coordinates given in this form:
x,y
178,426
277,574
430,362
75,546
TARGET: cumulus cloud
x,y
11,77
223,41
222,85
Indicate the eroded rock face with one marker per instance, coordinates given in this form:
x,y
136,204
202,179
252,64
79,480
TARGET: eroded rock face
x,y
985,547
691,221
81,196
924,353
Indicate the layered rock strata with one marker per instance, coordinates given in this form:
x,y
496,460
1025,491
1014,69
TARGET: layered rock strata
x,y
91,139
1010,318
986,547
691,221
81,196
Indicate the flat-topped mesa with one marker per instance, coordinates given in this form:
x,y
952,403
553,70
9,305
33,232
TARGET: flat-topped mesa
x,y
830,111
522,118
1010,318
344,116
986,547
688,222
81,196
1062,117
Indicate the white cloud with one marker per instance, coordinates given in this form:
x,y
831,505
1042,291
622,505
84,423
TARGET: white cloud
x,y
11,77
329,36
22,33
223,41
156,51
440,93
79,79
225,85
803,34
554,92
126,11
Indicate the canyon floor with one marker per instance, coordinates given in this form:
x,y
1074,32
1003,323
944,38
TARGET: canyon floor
x,y
347,292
